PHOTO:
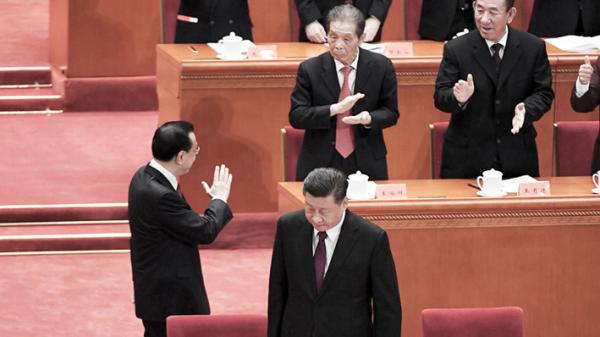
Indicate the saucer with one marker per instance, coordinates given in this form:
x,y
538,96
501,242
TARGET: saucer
x,y
231,57
372,186
481,194
596,190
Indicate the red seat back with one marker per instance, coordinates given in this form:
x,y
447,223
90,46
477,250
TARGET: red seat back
x,y
436,140
169,18
291,143
574,147
473,322
217,326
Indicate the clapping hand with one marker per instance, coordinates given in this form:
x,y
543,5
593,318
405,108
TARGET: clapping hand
x,y
519,118
463,90
363,118
221,183
346,104
585,71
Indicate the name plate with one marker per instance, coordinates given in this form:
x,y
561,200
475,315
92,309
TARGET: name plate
x,y
391,191
537,189
263,52
398,49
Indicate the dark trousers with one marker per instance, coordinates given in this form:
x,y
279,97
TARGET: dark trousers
x,y
155,329
347,165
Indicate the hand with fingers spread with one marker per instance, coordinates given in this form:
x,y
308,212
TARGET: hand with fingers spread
x,y
585,72
221,183
364,118
315,32
519,118
463,90
346,104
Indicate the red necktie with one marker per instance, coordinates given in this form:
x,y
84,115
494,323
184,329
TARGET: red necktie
x,y
344,138
320,259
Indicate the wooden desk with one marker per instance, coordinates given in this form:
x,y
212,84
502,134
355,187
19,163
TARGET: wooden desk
x,y
239,107
460,250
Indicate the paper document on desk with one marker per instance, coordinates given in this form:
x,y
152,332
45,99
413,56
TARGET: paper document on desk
x,y
218,47
576,43
374,47
512,185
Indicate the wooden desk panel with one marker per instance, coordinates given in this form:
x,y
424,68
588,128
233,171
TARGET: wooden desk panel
x,y
465,251
245,103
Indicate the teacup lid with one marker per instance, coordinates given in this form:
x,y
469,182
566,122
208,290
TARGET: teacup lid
x,y
358,177
492,173
232,37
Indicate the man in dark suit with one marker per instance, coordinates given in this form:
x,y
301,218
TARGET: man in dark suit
x,y
165,231
586,97
344,99
442,20
332,272
552,18
203,21
313,14
495,81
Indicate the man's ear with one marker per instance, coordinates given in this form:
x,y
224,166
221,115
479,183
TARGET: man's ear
x,y
179,157
511,14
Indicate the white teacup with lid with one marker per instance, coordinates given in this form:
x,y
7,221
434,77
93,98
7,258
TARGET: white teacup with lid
x,y
490,183
596,180
232,46
358,185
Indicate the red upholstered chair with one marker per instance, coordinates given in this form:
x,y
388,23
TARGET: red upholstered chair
x,y
217,326
526,9
473,322
436,140
574,147
291,143
168,19
413,18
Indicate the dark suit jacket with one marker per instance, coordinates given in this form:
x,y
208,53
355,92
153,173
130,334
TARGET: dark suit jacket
x,y
311,10
359,295
480,132
317,87
441,20
587,103
552,18
216,18
165,233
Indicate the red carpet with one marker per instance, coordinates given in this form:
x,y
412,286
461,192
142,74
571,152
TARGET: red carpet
x,y
24,38
90,294
74,157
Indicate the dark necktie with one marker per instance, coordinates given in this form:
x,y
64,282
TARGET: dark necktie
x,y
320,259
496,49
344,139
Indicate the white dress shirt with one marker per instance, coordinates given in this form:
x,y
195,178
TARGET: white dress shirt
x,y
170,177
351,77
501,42
333,234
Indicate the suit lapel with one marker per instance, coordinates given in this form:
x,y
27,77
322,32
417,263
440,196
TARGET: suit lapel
x,y
362,71
329,76
343,248
483,56
512,54
305,244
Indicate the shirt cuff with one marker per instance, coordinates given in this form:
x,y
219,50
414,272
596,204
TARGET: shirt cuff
x,y
581,89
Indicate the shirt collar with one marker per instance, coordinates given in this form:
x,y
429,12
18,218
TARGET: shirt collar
x,y
339,65
170,177
502,40
334,232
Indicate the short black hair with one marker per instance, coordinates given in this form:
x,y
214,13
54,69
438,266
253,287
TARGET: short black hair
x,y
347,13
509,4
323,182
170,138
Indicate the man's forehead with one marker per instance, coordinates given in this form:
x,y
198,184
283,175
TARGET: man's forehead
x,y
342,27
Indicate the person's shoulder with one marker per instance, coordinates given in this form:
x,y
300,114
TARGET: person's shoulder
x,y
525,38
292,218
464,40
316,60
365,226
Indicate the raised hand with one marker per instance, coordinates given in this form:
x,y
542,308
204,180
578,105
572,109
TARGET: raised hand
x,y
221,183
364,118
463,90
519,118
585,72
346,104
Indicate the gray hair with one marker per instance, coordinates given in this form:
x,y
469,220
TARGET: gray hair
x,y
347,13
